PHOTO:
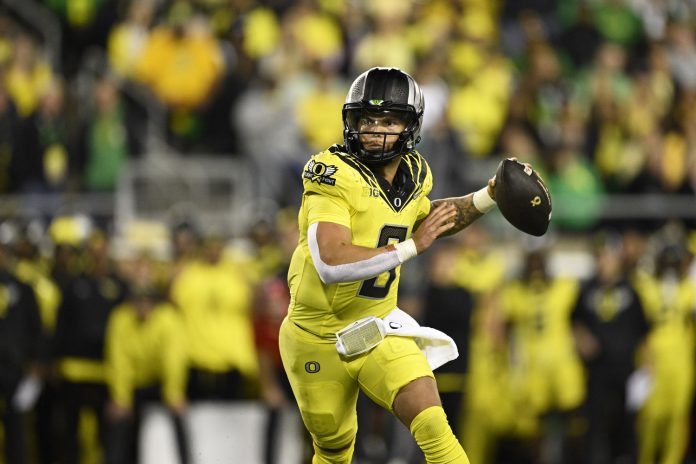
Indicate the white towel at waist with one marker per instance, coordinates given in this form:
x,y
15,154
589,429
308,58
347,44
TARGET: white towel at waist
x,y
438,347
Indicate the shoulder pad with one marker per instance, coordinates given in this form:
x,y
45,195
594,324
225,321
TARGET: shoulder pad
x,y
336,148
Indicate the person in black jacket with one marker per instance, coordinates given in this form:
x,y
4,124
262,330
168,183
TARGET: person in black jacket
x,y
610,327
79,341
20,335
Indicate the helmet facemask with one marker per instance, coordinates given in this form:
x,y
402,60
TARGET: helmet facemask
x,y
377,145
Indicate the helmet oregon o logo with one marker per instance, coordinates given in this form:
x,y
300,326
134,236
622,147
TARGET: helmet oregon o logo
x,y
312,367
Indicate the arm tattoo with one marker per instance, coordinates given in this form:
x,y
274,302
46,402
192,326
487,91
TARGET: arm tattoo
x,y
466,212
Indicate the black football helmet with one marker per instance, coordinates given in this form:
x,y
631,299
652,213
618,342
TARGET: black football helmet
x,y
383,91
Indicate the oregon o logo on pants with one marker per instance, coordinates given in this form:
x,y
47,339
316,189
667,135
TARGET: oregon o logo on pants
x,y
312,367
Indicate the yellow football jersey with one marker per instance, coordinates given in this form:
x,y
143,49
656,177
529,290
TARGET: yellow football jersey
x,y
546,360
339,188
663,419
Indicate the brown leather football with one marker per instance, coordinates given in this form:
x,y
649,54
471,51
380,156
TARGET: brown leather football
x,y
522,197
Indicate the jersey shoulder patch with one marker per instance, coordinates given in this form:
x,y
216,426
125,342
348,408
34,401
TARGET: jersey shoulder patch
x,y
326,173
318,171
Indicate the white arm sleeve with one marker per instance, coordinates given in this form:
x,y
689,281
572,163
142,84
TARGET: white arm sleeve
x,y
350,272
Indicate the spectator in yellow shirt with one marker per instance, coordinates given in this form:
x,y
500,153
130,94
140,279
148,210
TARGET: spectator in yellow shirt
x,y
28,76
127,39
181,62
215,297
146,360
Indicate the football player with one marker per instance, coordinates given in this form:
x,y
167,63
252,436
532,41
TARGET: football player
x,y
365,210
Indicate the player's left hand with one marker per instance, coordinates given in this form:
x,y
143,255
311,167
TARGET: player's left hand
x,y
439,221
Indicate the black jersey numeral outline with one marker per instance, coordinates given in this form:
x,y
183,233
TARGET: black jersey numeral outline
x,y
369,288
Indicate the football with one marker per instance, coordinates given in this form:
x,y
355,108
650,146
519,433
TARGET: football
x,y
522,197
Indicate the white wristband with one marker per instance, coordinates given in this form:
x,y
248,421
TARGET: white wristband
x,y
483,201
406,250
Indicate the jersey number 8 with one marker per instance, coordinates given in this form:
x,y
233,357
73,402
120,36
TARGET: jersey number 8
x,y
370,288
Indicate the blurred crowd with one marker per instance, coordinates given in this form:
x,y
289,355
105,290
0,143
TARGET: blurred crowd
x,y
558,368
599,95
555,366
87,339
